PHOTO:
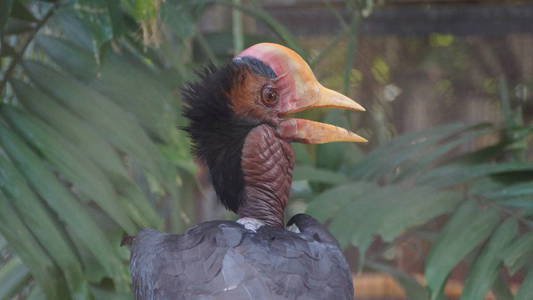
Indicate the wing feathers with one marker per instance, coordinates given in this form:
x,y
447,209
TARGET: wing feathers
x,y
222,260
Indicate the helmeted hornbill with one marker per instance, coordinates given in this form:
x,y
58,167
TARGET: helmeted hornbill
x,y
238,129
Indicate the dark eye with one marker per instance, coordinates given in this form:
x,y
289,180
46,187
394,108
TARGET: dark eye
x,y
269,95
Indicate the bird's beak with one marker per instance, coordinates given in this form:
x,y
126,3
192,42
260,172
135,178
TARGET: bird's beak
x,y
299,91
311,132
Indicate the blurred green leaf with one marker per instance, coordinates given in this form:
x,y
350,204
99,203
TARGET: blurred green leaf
x,y
384,214
76,168
181,16
519,253
456,173
487,265
5,11
80,133
13,275
427,204
66,21
81,62
142,10
16,26
67,207
468,227
110,120
386,158
318,175
414,167
20,11
41,223
96,17
525,202
28,249
36,294
362,210
101,294
302,154
323,208
131,92
332,155
509,191
413,290
7,50
3,243
526,290
501,288
116,16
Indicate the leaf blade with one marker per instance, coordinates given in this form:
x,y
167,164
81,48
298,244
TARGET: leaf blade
x,y
455,242
519,252
66,158
13,276
40,223
63,203
486,267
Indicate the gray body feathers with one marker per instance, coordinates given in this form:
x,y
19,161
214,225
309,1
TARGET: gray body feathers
x,y
223,260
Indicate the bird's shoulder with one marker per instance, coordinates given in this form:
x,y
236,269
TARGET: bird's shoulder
x,y
224,260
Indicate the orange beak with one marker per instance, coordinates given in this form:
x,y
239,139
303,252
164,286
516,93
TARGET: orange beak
x,y
299,91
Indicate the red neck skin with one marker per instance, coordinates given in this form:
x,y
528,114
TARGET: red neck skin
x,y
267,162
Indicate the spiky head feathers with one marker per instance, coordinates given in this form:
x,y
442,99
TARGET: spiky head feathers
x,y
222,107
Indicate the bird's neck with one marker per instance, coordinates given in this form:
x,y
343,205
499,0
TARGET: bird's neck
x,y
267,162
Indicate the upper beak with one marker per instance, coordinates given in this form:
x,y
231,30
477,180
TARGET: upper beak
x,y
301,91
320,97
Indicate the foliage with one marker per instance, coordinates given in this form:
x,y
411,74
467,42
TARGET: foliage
x,y
390,197
85,158
90,150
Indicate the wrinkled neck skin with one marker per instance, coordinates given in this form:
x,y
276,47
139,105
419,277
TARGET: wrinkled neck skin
x,y
267,162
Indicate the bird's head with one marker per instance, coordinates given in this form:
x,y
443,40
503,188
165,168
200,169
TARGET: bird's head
x,y
259,87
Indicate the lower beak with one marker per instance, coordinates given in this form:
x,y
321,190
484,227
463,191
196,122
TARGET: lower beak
x,y
311,132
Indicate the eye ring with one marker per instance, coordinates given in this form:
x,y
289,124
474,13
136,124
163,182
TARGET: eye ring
x,y
269,95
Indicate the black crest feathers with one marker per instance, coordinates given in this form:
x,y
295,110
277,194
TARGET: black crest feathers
x,y
217,133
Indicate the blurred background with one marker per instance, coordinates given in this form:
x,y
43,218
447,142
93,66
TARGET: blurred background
x,y
438,205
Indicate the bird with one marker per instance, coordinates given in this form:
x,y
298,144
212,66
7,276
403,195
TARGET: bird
x,y
240,131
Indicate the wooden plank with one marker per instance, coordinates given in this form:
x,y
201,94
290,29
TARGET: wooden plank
x,y
411,18
488,20
383,286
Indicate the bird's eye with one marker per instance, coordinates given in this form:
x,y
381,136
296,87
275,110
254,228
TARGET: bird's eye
x,y
269,95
